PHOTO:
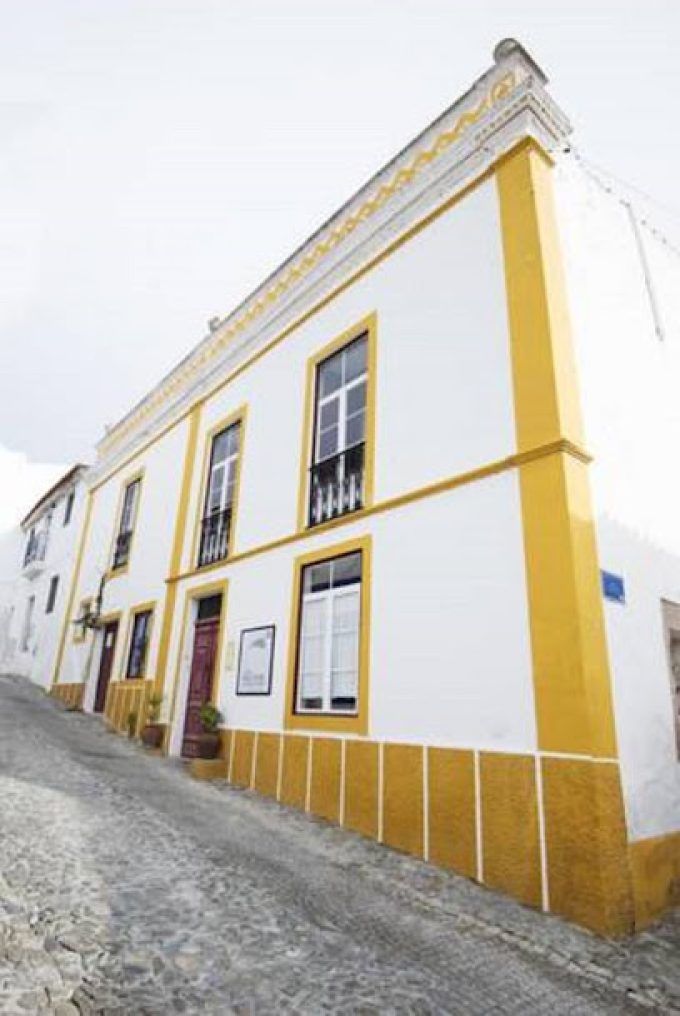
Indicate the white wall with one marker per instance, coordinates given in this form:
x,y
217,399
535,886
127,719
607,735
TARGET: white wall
x,y
11,557
144,580
450,653
629,384
449,640
444,390
37,661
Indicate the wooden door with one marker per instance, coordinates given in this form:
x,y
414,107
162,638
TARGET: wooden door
x,y
105,665
200,681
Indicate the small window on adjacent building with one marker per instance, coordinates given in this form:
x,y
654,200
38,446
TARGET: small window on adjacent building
x,y
139,641
337,482
217,522
128,516
68,510
328,639
52,594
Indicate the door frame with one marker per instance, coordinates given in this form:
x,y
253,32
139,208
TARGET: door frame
x,y
113,618
185,653
91,672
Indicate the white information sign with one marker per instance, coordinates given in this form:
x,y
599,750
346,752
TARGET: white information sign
x,y
255,661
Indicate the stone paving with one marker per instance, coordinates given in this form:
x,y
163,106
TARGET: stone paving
x,y
127,888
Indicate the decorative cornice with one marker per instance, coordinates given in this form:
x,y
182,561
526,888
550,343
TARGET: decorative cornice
x,y
513,87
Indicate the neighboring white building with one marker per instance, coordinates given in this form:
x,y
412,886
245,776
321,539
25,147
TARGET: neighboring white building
x,y
36,562
408,517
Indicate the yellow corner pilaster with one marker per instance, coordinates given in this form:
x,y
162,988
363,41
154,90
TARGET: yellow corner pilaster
x,y
587,875
177,548
571,670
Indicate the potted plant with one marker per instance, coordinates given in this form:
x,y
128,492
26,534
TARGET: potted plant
x,y
208,743
152,734
131,723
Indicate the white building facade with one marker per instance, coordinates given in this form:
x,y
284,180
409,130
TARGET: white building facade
x,y
37,568
368,518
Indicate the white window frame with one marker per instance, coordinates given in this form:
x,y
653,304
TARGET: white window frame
x,y
341,394
329,596
129,508
230,468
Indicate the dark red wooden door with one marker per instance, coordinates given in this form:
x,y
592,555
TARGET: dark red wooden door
x,y
200,681
105,665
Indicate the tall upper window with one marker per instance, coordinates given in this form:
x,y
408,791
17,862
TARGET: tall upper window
x,y
328,638
337,475
128,515
52,594
68,510
139,641
217,522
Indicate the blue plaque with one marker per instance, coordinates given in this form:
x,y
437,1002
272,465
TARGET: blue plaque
x,y
613,587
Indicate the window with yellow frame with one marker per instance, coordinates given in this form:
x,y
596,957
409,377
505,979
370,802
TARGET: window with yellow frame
x,y
328,664
140,635
126,524
338,439
219,498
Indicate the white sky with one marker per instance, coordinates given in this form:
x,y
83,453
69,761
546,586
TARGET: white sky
x,y
160,157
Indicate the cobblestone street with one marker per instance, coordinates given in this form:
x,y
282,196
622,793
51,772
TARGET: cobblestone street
x,y
126,887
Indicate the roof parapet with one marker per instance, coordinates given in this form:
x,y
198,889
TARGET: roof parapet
x,y
506,103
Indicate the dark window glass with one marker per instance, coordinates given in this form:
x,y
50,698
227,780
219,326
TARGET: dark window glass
x,y
68,511
52,594
138,644
209,607
220,493
346,570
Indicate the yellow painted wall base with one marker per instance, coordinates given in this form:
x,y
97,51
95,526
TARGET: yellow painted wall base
x,y
586,846
124,698
70,694
423,801
655,865
425,804
208,768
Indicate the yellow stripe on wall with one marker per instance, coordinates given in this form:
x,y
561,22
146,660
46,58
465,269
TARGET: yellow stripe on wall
x,y
294,775
177,548
326,772
585,832
267,764
571,672
655,865
242,757
403,797
361,787
451,810
510,825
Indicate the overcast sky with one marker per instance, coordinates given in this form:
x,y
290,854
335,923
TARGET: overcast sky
x,y
160,157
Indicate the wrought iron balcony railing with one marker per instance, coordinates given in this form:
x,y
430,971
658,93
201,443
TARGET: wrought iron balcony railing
x,y
121,551
337,485
215,530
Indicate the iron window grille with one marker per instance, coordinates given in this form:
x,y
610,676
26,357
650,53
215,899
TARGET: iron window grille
x,y
216,524
337,480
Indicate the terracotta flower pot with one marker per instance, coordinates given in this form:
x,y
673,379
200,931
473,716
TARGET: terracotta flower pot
x,y
152,735
207,745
